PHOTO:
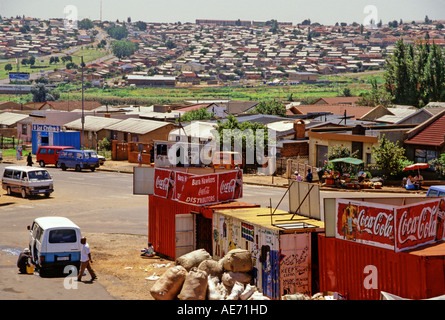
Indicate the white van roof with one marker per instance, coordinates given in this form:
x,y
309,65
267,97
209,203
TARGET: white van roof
x,y
25,168
55,222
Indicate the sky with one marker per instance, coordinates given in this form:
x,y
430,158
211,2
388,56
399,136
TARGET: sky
x,y
323,11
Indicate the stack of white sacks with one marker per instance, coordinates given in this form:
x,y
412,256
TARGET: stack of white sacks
x,y
196,276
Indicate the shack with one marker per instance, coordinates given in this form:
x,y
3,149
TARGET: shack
x,y
283,246
181,205
52,135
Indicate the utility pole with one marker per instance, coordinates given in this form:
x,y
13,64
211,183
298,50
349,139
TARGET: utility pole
x,y
82,65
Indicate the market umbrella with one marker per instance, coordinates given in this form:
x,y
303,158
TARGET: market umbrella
x,y
416,166
348,160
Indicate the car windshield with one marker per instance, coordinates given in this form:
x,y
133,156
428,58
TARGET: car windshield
x,y
89,155
39,175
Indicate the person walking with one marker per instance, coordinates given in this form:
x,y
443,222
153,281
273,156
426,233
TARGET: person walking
x,y
85,260
29,160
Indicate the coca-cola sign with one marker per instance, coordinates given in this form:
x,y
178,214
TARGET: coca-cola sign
x,y
198,189
365,223
419,224
392,227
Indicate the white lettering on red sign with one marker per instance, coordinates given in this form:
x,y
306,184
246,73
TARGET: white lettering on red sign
x,y
419,227
227,187
379,225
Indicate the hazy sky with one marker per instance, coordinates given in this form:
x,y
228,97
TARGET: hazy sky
x,y
295,11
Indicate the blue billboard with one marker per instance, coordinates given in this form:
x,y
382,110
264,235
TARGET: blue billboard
x,y
19,76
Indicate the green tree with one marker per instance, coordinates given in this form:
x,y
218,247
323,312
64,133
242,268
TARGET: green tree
x,y
8,67
141,25
85,24
389,156
271,107
123,48
118,33
199,114
244,133
40,93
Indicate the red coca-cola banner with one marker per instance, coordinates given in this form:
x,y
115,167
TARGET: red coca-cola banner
x,y
198,189
393,227
419,224
366,223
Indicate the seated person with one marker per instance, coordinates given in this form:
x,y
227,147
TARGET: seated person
x,y
409,185
148,252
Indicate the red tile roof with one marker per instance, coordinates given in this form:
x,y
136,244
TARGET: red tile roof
x,y
432,134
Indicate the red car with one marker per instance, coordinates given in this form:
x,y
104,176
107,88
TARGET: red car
x,y
49,154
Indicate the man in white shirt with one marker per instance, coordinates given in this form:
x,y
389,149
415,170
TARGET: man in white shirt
x,y
85,260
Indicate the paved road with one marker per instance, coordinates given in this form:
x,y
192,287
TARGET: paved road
x,y
99,202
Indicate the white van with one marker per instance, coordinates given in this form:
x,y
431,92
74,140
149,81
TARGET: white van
x,y
27,181
54,242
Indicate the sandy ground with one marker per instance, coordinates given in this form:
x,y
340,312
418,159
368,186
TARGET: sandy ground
x,y
121,269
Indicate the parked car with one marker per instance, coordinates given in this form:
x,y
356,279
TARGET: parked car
x,y
436,191
101,159
54,242
27,181
78,159
49,155
1,155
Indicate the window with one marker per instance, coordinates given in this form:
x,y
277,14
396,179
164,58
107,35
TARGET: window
x,y
62,236
24,176
50,151
16,175
39,175
8,173
424,156
24,129
42,151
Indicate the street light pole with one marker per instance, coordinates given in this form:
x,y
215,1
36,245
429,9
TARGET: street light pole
x,y
83,117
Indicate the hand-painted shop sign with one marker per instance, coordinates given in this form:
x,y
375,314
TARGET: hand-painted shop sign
x,y
45,127
391,227
198,189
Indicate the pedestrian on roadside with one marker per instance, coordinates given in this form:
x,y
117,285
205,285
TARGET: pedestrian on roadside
x,y
85,260
309,176
140,158
29,159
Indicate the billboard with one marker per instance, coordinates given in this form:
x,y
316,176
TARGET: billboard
x,y
18,76
198,189
398,228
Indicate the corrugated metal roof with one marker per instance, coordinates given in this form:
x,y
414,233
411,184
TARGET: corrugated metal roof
x,y
10,118
137,126
261,217
92,123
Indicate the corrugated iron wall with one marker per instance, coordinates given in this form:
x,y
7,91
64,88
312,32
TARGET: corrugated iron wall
x,y
342,269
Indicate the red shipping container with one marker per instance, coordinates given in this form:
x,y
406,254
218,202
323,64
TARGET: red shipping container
x,y
162,222
360,272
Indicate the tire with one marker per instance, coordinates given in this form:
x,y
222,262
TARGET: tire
x,y
8,191
42,163
47,194
63,166
57,164
93,168
23,193
78,168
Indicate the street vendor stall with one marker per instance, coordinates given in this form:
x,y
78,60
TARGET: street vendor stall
x,y
345,179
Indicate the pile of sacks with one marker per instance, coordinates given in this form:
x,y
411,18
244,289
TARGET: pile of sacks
x,y
196,276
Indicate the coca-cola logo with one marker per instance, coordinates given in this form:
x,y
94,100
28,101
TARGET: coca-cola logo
x,y
161,183
227,187
379,225
418,227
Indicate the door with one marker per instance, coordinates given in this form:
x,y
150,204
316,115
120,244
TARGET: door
x,y
322,155
204,233
185,234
